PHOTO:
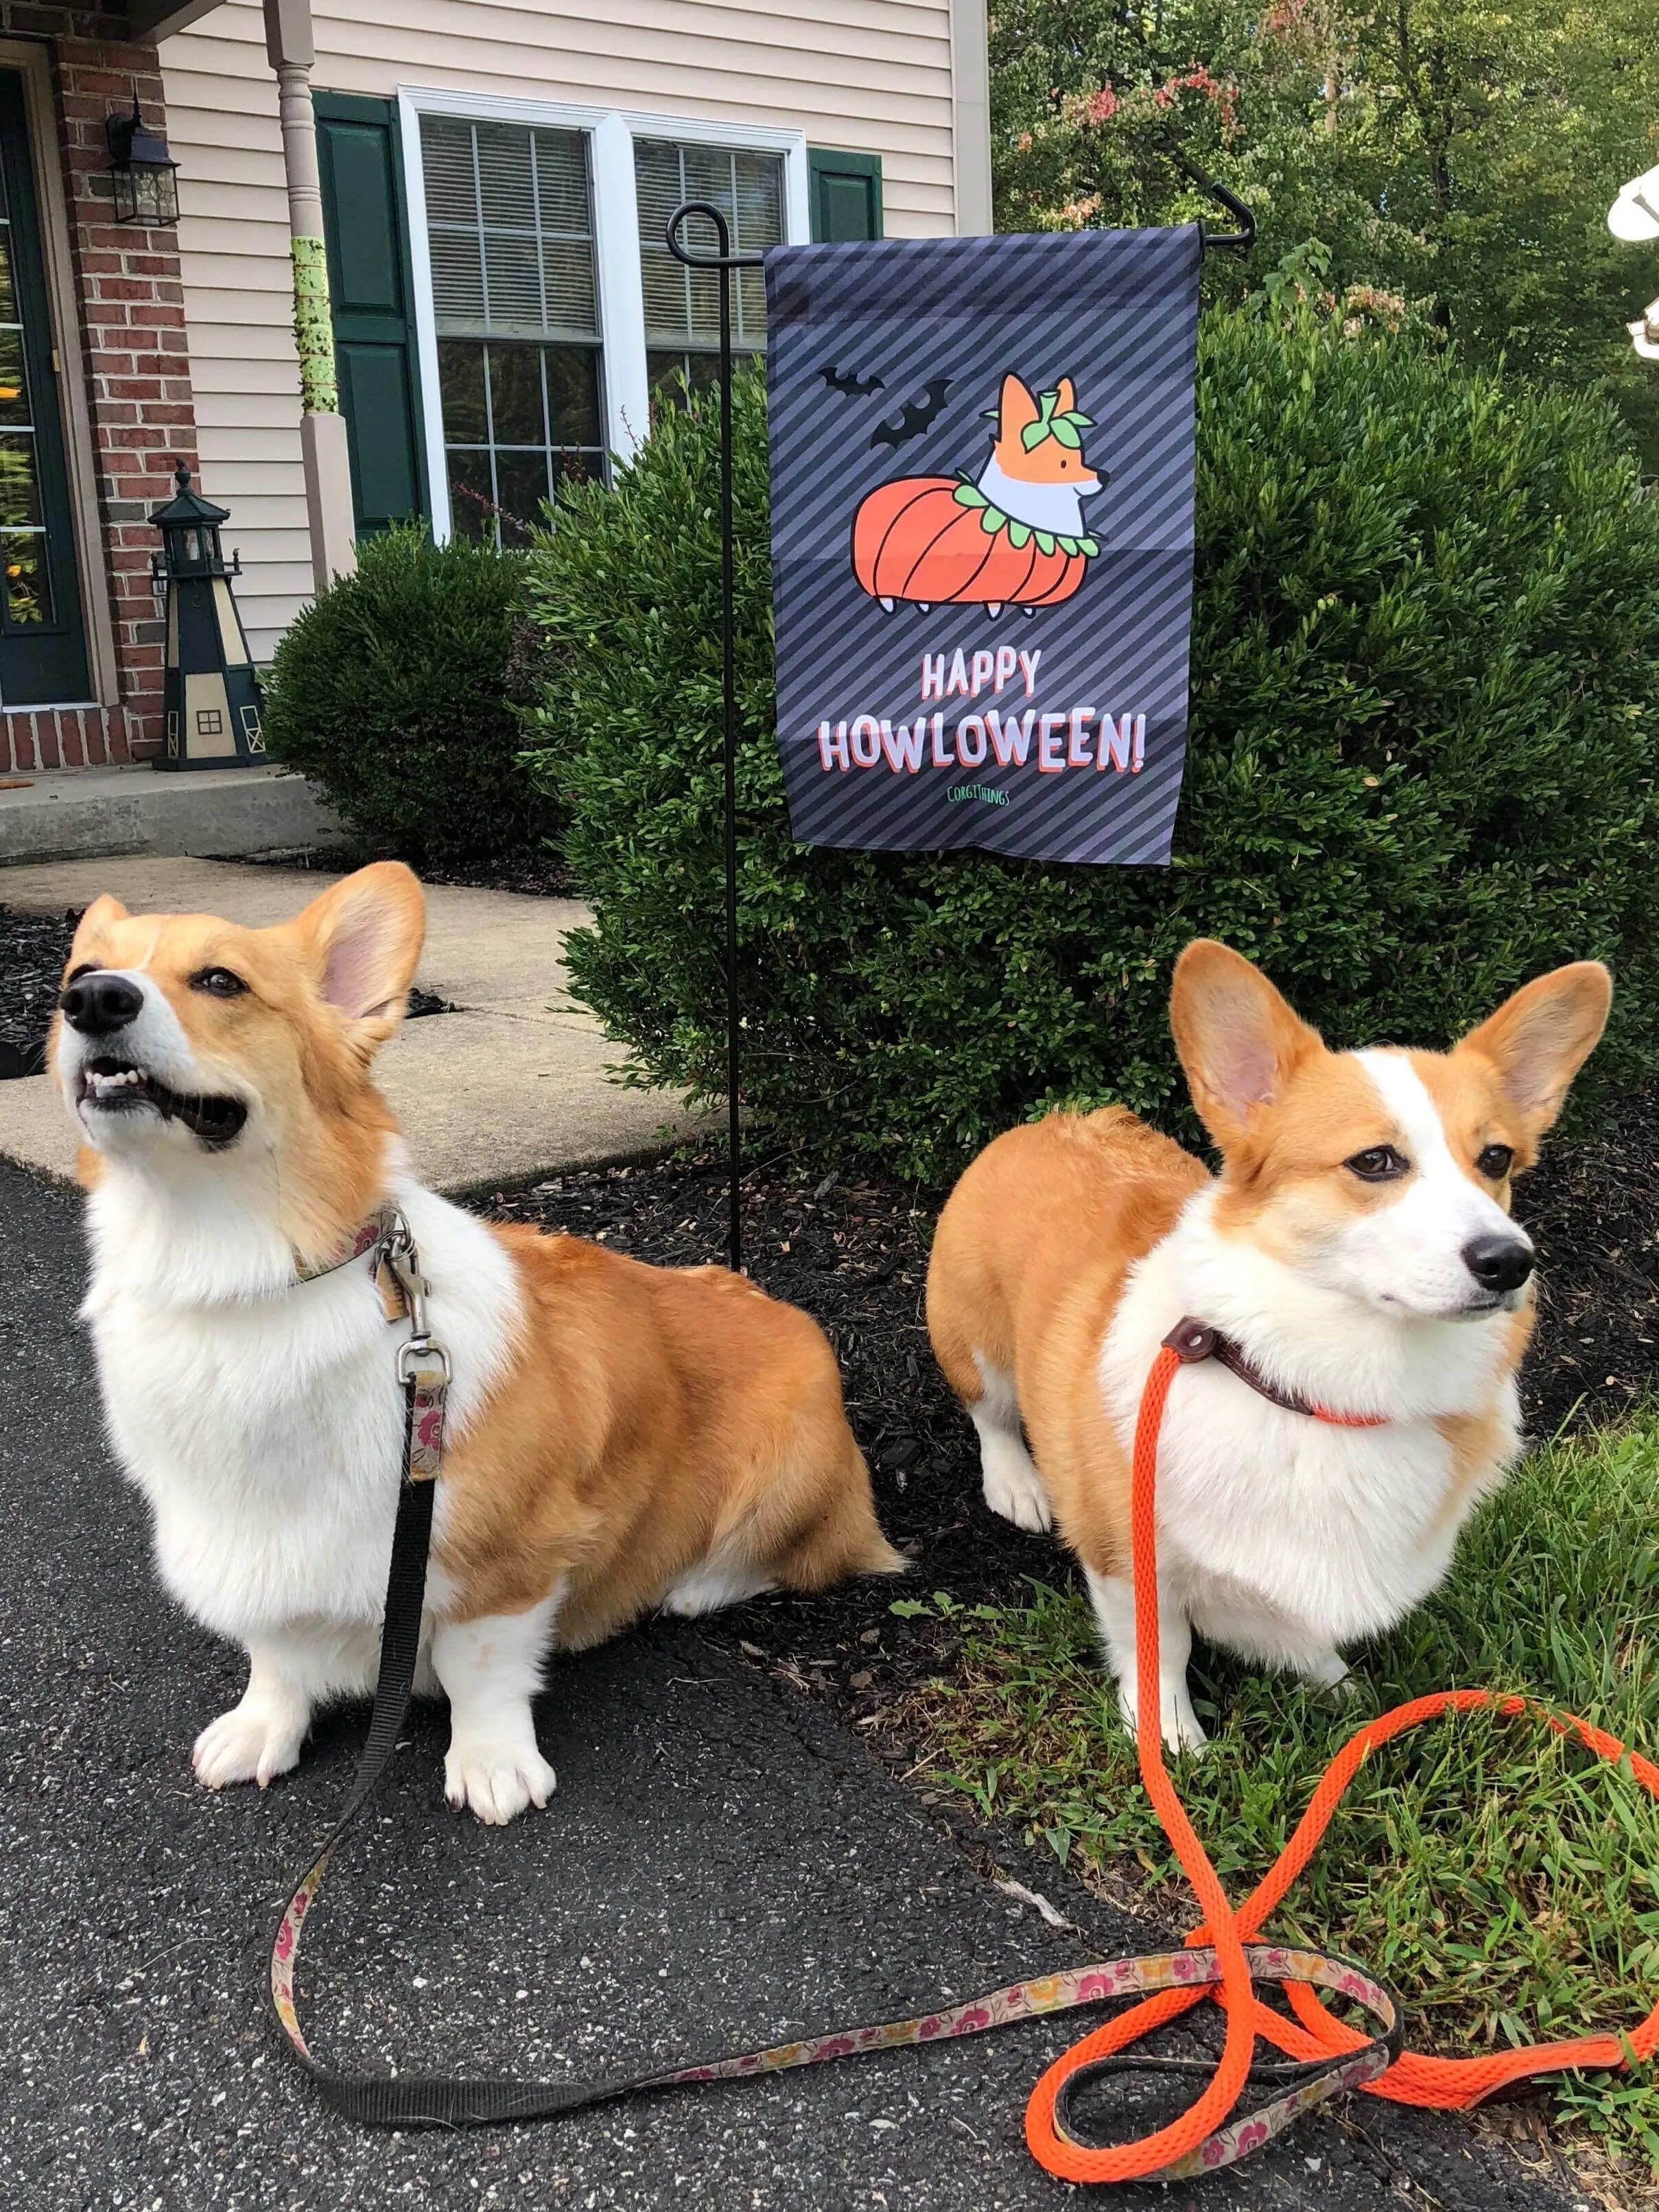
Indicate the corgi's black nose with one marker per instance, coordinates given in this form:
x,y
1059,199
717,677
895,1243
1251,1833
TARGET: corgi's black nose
x,y
1499,1262
98,1003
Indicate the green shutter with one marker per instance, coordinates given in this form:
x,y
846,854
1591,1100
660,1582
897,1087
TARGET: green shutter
x,y
845,191
372,297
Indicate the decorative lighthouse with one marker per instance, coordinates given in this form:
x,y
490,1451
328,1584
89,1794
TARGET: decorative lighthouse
x,y
212,695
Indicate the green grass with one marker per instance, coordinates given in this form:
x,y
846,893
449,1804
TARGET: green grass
x,y
1507,1884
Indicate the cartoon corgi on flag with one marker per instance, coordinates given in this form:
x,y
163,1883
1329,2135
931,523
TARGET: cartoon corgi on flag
x,y
1014,536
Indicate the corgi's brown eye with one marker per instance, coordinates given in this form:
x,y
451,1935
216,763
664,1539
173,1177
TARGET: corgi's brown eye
x,y
218,983
1380,1163
1494,1162
86,968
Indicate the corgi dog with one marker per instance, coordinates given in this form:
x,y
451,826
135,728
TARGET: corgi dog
x,y
618,1437
1370,1296
1013,536
1035,474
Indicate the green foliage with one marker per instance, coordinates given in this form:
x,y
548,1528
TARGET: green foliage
x,y
1459,153
1503,1880
1425,713
389,693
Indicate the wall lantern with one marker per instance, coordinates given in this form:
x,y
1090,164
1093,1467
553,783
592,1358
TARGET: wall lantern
x,y
211,692
145,174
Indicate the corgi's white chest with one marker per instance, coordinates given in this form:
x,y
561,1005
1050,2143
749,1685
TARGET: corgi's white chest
x,y
267,1434
1283,1536
266,1439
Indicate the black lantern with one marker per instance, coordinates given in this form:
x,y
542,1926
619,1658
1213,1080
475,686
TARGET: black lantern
x,y
145,174
212,693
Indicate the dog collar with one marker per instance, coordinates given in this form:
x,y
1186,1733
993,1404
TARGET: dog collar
x,y
1193,1341
379,1229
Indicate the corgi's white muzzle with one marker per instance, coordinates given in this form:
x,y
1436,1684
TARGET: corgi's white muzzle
x,y
127,1071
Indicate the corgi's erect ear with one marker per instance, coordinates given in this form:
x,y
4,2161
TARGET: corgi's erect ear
x,y
104,910
1017,408
1239,1041
364,935
1065,397
1538,1040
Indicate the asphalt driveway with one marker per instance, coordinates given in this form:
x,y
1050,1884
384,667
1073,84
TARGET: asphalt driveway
x,y
723,1864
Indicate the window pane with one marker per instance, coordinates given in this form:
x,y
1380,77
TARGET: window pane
x,y
515,396
522,490
458,297
7,296
28,587
472,495
572,396
13,380
513,282
507,190
461,387
446,166
20,490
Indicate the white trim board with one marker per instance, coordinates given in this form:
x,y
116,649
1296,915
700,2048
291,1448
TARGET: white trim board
x,y
611,134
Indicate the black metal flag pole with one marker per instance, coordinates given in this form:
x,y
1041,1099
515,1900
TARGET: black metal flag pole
x,y
724,262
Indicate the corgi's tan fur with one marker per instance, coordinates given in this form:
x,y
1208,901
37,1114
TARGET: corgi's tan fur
x,y
620,1436
1334,1247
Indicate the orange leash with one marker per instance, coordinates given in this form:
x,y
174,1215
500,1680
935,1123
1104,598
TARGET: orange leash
x,y
1199,2138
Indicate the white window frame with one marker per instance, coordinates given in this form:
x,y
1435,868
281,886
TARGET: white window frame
x,y
611,132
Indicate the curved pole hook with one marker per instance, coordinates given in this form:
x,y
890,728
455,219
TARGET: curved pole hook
x,y
725,258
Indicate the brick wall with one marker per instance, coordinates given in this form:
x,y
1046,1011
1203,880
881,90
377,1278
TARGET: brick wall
x,y
130,301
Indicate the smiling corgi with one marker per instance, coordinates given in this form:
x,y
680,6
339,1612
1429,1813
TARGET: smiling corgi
x,y
1369,1297
619,1437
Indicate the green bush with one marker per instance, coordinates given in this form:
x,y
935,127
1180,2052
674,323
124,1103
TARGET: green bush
x,y
390,694
1424,720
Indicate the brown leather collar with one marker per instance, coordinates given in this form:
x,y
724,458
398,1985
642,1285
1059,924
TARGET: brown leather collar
x,y
1192,1341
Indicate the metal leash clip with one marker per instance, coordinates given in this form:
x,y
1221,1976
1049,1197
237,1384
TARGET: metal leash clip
x,y
421,1361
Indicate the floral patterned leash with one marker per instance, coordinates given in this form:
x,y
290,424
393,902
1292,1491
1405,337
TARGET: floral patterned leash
x,y
1180,1978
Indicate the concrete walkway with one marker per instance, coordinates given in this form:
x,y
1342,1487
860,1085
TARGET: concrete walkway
x,y
511,1086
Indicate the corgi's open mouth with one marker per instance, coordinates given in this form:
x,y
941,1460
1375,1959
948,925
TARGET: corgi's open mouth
x,y
114,1086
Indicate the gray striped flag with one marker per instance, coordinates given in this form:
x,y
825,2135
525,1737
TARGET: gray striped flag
x,y
982,454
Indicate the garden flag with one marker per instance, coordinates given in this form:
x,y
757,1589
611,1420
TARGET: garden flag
x,y
982,453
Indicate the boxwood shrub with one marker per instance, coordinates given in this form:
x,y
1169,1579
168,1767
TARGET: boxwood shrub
x,y
390,694
1425,725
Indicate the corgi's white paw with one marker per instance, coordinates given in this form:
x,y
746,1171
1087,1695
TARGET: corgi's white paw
x,y
1013,1487
1330,1673
496,1780
1177,1721
250,1743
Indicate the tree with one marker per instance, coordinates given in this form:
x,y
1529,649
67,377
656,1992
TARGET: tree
x,y
1459,154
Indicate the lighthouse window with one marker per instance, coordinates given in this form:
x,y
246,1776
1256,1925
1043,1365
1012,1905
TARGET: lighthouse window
x,y
515,298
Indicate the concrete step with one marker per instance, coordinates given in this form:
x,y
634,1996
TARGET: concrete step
x,y
86,813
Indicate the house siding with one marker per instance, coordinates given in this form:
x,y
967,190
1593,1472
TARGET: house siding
x,y
861,75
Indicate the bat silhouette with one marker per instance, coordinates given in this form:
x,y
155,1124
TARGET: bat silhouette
x,y
916,415
849,381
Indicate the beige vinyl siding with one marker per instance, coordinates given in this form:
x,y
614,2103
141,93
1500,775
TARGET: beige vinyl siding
x,y
860,75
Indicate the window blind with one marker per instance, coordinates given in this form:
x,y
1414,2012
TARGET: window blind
x,y
510,229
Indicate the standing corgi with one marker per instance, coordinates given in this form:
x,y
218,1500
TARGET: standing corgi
x,y
1015,536
619,1437
1370,1296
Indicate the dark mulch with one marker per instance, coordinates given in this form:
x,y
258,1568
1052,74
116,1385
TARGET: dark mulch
x,y
33,949
854,1253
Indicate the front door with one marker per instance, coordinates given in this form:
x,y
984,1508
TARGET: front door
x,y
42,652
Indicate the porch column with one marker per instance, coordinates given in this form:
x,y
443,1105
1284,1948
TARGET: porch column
x,y
322,427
